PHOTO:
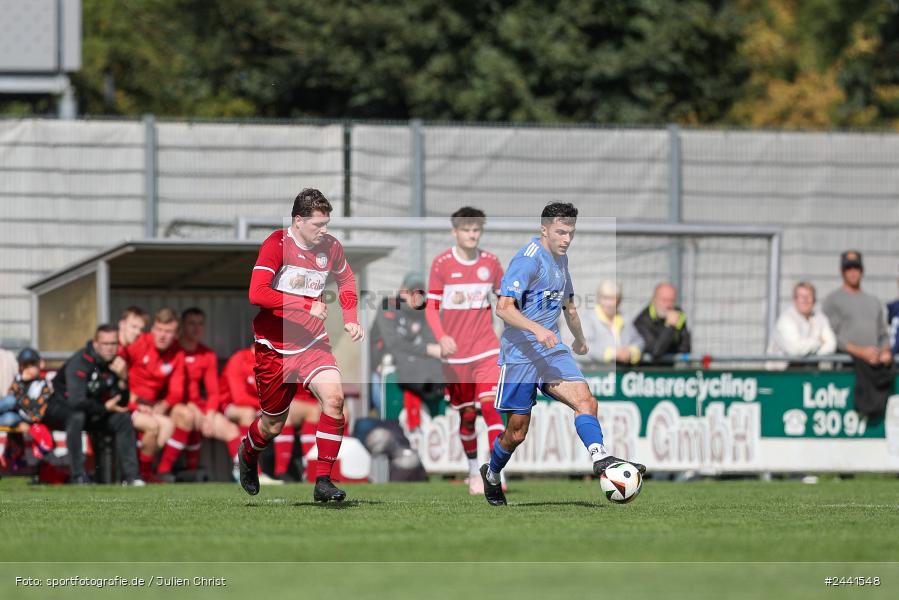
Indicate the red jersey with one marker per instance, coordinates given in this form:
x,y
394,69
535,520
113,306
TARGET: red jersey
x,y
152,375
287,278
201,373
462,289
238,382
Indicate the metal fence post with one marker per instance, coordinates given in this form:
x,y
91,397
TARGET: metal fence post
x,y
773,285
417,207
675,205
347,167
151,211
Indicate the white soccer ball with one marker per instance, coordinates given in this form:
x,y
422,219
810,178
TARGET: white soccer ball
x,y
621,482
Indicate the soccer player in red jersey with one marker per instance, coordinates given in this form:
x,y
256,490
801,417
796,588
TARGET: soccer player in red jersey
x,y
198,416
458,311
292,346
156,380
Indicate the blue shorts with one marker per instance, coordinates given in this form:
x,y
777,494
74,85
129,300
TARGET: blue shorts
x,y
517,388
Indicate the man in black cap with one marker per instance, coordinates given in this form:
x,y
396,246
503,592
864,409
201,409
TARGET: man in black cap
x,y
859,323
89,396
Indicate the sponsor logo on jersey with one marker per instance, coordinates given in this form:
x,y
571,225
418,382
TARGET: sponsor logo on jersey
x,y
166,368
483,273
467,295
455,275
302,281
190,359
321,259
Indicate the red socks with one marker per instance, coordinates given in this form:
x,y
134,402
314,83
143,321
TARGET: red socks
x,y
328,437
494,421
467,432
146,466
412,405
172,450
192,452
256,443
283,449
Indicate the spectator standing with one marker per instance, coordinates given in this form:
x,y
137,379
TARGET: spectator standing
x,y
609,336
663,326
859,323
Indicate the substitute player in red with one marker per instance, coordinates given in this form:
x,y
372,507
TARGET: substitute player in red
x,y
156,380
461,282
292,346
198,416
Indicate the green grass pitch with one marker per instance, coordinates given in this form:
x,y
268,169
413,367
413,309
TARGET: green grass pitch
x,y
433,540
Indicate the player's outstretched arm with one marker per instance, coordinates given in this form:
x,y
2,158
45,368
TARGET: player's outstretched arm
x,y
507,310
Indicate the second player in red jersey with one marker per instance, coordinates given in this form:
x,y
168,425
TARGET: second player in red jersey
x,y
292,346
460,288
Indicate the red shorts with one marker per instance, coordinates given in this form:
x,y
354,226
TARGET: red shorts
x,y
469,383
278,376
305,395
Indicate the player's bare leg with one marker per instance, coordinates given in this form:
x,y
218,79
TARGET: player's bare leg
x,y
576,395
212,425
327,387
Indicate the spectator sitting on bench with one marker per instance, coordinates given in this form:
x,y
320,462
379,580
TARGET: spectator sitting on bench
x,y
89,396
24,406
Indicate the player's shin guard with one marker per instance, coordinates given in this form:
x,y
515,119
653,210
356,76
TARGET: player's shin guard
x,y
590,432
283,449
328,437
192,451
256,443
467,433
172,450
494,421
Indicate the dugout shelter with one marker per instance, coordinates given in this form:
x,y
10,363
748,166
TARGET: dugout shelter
x,y
68,304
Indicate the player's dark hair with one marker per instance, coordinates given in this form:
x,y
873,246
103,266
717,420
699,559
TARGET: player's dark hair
x,y
564,211
106,328
468,216
309,201
193,310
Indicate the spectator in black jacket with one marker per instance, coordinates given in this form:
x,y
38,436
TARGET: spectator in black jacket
x,y
663,326
401,331
89,396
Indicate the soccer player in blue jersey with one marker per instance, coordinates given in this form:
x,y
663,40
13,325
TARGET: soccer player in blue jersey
x,y
535,288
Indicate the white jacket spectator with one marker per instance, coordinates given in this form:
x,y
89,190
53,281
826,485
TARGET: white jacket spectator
x,y
610,338
801,330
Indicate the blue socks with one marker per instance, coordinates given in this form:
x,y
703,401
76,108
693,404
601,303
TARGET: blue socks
x,y
498,458
590,432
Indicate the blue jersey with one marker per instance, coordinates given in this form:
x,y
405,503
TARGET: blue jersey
x,y
540,283
893,320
